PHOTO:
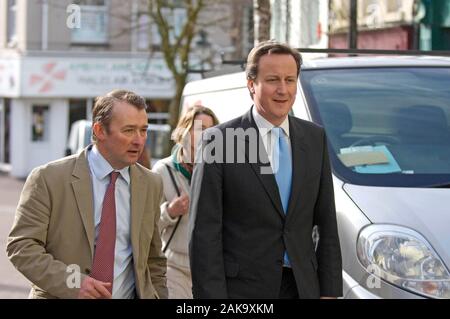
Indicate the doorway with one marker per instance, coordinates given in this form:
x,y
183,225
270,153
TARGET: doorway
x,y
5,111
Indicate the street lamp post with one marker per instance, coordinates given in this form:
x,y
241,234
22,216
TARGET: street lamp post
x,y
353,32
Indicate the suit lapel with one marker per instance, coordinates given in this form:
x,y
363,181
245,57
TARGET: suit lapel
x,y
82,188
299,163
267,180
137,207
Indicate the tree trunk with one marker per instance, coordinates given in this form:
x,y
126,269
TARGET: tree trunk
x,y
262,18
174,107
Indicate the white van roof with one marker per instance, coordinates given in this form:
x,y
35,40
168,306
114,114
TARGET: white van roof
x,y
238,80
222,83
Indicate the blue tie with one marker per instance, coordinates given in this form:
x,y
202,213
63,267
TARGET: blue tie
x,y
283,171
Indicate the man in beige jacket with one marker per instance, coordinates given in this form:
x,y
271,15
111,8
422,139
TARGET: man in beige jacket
x,y
87,225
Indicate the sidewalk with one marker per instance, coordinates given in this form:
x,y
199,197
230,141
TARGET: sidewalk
x,y
12,283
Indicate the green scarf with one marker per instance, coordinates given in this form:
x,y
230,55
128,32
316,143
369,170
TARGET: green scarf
x,y
175,154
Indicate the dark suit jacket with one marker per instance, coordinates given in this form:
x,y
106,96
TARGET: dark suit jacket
x,y
239,232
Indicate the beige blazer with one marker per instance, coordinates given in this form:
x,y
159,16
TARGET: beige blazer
x,y
54,228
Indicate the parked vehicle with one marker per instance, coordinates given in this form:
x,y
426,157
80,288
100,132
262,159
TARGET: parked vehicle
x,y
158,139
387,121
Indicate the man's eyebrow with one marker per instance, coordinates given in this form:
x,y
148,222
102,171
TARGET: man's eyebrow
x,y
272,76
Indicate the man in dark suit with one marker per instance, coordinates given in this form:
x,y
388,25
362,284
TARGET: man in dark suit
x,y
251,221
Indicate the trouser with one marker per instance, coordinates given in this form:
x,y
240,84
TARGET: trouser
x,y
179,283
288,288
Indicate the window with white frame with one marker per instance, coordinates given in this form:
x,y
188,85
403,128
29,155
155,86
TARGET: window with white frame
x,y
94,22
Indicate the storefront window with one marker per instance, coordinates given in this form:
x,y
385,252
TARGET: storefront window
x,y
40,124
77,111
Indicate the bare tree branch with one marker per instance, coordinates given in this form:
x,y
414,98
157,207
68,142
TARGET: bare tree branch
x,y
176,48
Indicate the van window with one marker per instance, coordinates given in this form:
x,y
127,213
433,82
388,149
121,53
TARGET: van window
x,y
386,126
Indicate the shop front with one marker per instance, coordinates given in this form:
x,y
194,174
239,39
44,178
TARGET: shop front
x,y
40,96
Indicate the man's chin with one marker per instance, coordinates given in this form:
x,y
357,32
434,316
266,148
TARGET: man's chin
x,y
130,160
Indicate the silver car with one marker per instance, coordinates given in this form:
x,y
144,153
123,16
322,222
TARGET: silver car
x,y
387,121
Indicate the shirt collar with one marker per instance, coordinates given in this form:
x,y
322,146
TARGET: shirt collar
x,y
265,126
101,168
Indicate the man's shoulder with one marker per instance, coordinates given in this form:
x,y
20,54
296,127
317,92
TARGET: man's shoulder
x,y
233,123
53,173
307,127
58,166
152,177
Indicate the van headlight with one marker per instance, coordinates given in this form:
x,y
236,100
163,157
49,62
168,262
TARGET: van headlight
x,y
404,258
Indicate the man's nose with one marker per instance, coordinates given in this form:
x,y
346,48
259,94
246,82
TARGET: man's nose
x,y
139,139
282,88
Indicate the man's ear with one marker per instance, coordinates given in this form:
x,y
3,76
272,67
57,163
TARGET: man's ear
x,y
99,131
250,86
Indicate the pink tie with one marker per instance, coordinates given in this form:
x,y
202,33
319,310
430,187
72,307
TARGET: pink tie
x,y
103,268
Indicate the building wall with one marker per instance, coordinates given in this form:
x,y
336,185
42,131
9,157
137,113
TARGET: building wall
x,y
21,134
58,34
30,26
120,28
3,23
382,24
297,22
396,38
65,70
372,14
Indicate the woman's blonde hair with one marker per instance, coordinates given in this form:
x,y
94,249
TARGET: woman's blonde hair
x,y
186,121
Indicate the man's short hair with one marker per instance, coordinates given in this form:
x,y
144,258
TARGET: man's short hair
x,y
103,107
269,47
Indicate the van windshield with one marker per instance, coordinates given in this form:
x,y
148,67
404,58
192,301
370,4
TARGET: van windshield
x,y
385,126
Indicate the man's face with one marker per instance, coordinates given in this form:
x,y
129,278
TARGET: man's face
x,y
124,142
275,86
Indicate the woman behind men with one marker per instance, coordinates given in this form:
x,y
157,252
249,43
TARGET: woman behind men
x,y
176,171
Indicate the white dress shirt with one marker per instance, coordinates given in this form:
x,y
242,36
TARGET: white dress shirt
x,y
265,130
124,282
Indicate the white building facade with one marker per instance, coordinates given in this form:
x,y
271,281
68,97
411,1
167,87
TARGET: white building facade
x,y
55,59
38,91
301,23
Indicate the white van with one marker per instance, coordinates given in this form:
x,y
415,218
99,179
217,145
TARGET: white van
x,y
387,121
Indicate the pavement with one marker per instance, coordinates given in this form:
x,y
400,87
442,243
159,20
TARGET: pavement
x,y
13,285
